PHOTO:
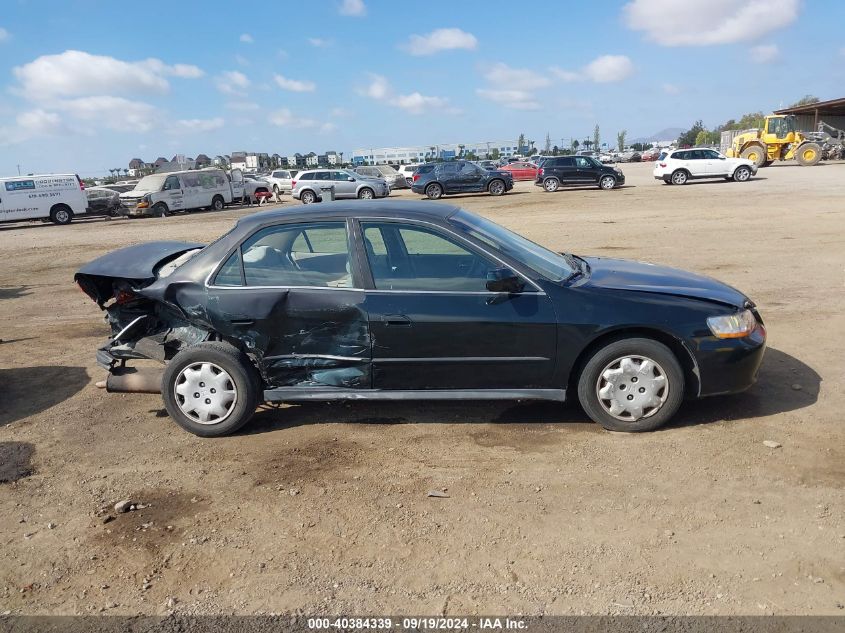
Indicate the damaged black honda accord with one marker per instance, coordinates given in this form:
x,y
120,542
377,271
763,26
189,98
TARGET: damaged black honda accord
x,y
411,301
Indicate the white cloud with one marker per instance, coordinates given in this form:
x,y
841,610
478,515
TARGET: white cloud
x,y
379,89
355,8
243,106
339,113
115,113
609,68
286,118
240,60
4,34
294,85
232,82
765,53
327,128
671,89
513,99
76,73
502,75
317,42
604,69
38,122
440,40
246,38
689,23
198,125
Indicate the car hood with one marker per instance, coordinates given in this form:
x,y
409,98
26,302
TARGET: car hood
x,y
135,193
623,274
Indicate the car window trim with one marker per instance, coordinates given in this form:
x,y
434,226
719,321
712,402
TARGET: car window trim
x,y
461,240
355,269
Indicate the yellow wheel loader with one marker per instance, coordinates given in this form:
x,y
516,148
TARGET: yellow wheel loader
x,y
778,140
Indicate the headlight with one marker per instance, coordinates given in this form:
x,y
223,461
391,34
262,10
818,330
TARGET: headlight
x,y
732,325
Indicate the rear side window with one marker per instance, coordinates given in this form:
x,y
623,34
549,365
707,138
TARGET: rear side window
x,y
307,177
425,169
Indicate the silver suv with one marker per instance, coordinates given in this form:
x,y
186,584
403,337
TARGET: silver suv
x,y
394,179
308,185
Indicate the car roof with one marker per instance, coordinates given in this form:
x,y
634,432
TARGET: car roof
x,y
411,209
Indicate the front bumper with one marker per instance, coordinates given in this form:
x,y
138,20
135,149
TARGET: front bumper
x,y
729,365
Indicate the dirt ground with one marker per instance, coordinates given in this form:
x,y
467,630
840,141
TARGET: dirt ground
x,y
323,508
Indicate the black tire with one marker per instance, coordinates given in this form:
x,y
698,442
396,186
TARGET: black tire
x,y
679,177
741,173
607,182
243,378
496,187
160,210
551,184
588,384
61,214
756,153
434,191
217,203
366,194
307,197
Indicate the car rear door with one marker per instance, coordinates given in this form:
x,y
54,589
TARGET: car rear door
x,y
289,293
434,323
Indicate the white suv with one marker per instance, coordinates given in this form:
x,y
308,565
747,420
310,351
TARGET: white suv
x,y
678,166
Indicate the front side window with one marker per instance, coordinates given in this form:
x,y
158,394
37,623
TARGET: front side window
x,y
315,255
582,162
410,257
171,184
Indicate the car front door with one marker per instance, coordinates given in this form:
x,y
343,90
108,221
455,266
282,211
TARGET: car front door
x,y
434,323
470,177
587,171
715,163
289,293
343,188
172,193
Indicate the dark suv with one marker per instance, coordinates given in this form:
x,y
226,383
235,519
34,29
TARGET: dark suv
x,y
459,176
577,170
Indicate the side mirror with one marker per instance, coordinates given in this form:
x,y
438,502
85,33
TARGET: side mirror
x,y
504,280
351,179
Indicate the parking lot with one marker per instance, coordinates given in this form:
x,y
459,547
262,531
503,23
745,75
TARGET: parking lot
x,y
325,508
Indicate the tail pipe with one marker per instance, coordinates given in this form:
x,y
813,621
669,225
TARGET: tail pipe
x,y
133,380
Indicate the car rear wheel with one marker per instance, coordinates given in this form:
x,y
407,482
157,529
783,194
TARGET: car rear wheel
x,y
434,191
551,184
307,197
61,214
607,182
210,389
366,194
679,177
633,384
742,173
217,203
496,187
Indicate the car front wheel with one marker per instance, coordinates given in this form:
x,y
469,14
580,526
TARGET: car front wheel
x,y
496,188
633,384
607,182
210,389
742,173
307,197
366,194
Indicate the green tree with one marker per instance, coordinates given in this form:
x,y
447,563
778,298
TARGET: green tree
x,y
620,140
575,145
520,143
548,146
805,100
555,150
494,154
746,122
687,139
596,138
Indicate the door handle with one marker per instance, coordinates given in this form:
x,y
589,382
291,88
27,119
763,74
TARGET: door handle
x,y
242,321
396,320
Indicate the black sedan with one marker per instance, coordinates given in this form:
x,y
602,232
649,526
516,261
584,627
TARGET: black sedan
x,y
459,176
393,300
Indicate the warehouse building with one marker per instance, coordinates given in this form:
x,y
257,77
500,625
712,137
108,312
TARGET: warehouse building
x,y
807,117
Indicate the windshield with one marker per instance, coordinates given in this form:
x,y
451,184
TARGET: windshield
x,y
549,264
151,183
387,170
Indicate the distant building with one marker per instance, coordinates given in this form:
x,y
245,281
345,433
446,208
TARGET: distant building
x,y
296,160
311,159
250,161
443,151
202,161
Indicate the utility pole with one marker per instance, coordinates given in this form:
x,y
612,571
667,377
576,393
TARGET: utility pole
x,y
19,170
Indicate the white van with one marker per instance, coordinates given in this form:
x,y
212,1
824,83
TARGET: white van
x,y
162,194
57,197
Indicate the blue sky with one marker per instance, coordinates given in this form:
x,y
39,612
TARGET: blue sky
x,y
87,85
